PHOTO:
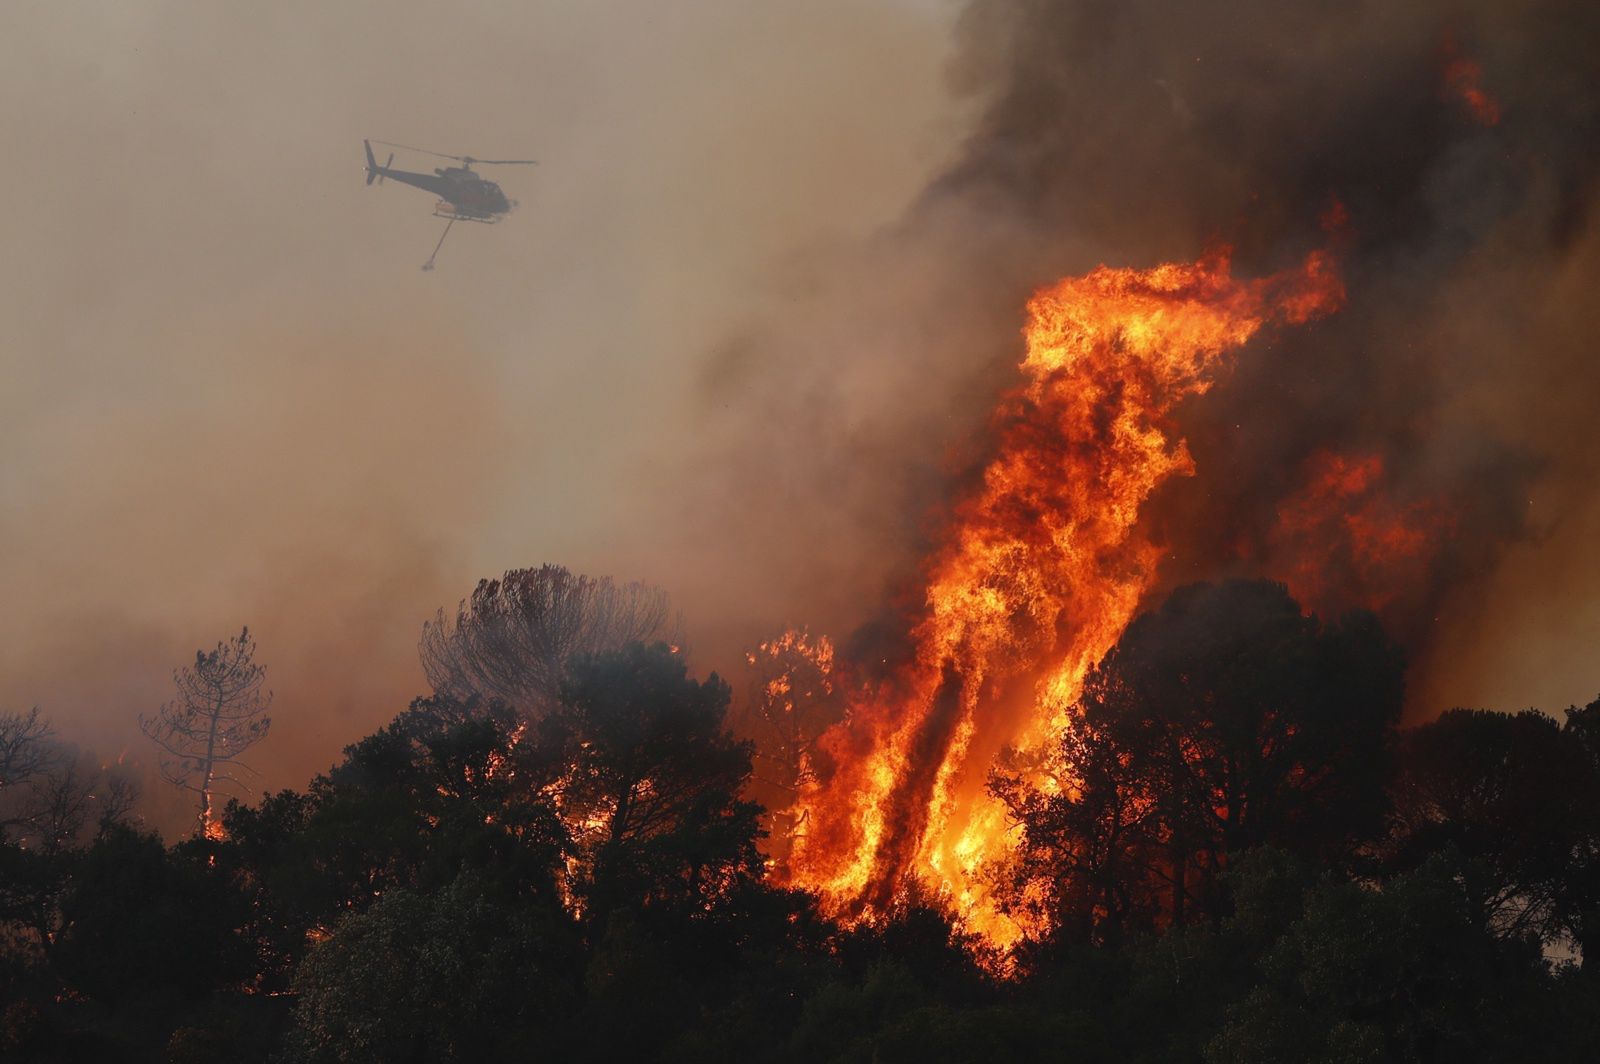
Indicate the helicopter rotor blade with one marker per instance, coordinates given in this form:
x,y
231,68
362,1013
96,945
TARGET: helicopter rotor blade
x,y
425,151
467,159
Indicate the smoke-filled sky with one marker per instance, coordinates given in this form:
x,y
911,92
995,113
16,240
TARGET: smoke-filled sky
x,y
230,396
747,322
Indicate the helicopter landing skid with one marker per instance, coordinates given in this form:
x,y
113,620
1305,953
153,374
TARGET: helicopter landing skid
x,y
457,216
442,210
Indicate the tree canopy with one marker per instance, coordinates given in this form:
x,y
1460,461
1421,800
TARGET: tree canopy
x,y
1225,720
1250,862
513,638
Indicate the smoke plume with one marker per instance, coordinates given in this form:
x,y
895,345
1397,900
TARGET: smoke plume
x,y
1408,454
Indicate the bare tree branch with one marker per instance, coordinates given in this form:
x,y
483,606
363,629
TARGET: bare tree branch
x,y
25,747
513,639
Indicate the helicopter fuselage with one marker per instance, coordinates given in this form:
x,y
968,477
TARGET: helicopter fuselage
x,y
467,194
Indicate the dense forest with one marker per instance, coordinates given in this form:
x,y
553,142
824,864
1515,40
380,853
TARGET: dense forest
x,y
562,853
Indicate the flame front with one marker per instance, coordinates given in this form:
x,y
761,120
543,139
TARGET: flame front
x,y
1043,566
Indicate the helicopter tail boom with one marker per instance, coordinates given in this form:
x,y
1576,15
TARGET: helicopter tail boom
x,y
373,169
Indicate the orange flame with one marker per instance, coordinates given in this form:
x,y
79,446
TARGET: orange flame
x,y
796,643
1344,519
1044,566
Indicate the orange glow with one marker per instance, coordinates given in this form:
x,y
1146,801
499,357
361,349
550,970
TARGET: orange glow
x,y
1042,567
1343,521
1463,80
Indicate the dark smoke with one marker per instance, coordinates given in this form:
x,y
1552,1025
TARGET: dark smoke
x,y
1137,132
908,805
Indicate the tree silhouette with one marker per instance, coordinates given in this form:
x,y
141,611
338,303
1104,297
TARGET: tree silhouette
x,y
220,712
49,790
139,919
1578,895
647,780
1515,795
459,974
27,753
1224,720
514,638
1404,972
440,790
24,746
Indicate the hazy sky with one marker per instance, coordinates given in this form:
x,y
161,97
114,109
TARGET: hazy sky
x,y
231,397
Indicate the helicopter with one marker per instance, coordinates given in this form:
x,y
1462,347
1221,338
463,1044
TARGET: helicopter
x,y
464,195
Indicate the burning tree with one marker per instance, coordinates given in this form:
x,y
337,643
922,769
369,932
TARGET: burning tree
x,y
795,695
514,638
647,781
220,712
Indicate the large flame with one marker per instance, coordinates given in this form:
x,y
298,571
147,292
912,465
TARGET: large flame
x,y
1044,566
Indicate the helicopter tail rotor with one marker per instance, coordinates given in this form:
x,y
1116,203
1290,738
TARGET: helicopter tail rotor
x,y
373,169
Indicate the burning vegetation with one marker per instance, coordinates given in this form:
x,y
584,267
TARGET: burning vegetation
x,y
1043,567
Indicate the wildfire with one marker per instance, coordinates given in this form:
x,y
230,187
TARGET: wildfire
x,y
1043,566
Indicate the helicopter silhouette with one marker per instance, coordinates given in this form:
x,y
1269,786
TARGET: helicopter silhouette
x,y
464,194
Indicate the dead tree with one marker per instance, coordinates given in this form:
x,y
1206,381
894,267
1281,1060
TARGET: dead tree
x,y
28,754
220,712
50,790
25,747
514,638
